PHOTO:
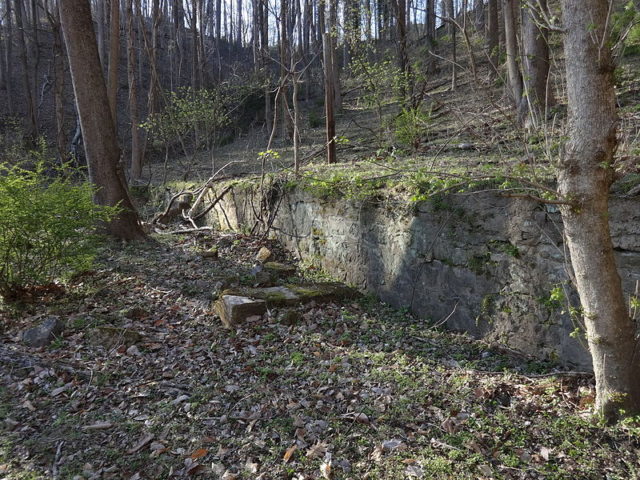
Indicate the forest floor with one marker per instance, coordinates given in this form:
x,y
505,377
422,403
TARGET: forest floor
x,y
349,389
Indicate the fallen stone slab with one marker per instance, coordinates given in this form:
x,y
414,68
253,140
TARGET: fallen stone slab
x,y
234,309
280,270
45,333
294,294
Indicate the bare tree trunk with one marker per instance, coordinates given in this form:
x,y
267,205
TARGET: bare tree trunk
x,y
585,175
263,15
100,31
493,35
58,88
114,60
333,29
538,97
9,58
403,57
98,130
479,15
451,29
284,61
136,151
328,97
154,82
511,40
22,46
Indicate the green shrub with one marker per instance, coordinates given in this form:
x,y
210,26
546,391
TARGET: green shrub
x,y
412,127
46,227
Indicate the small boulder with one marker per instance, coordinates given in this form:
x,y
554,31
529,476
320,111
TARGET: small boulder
x,y
234,309
280,270
43,334
264,255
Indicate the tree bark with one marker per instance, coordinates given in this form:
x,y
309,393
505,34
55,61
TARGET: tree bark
x,y
509,8
328,97
22,51
9,58
451,30
98,130
114,60
535,67
493,35
136,151
585,175
58,88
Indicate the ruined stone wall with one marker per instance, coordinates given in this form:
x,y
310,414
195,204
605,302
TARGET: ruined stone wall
x,y
478,263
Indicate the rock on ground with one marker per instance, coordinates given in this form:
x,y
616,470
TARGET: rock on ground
x,y
43,334
234,309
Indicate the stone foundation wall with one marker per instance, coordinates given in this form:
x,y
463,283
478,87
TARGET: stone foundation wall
x,y
478,263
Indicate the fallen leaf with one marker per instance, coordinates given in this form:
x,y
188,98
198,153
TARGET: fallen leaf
x,y
318,450
199,453
325,470
544,453
289,453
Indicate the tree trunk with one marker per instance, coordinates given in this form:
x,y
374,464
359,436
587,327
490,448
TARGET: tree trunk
x,y
155,88
479,18
22,47
58,88
493,35
100,31
114,60
538,97
136,151
585,175
403,57
509,8
9,58
98,130
451,29
328,97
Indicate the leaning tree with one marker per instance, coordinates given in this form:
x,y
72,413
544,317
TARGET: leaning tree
x,y
98,126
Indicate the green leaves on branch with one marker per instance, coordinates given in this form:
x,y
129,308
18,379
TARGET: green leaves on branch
x,y
189,111
47,227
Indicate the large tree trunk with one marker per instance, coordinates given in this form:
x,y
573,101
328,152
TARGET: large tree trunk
x,y
58,88
585,175
510,7
535,67
155,88
136,151
114,60
98,129
493,35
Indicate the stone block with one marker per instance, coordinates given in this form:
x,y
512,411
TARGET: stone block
x,y
234,309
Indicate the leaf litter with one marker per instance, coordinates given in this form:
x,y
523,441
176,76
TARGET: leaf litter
x,y
145,383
